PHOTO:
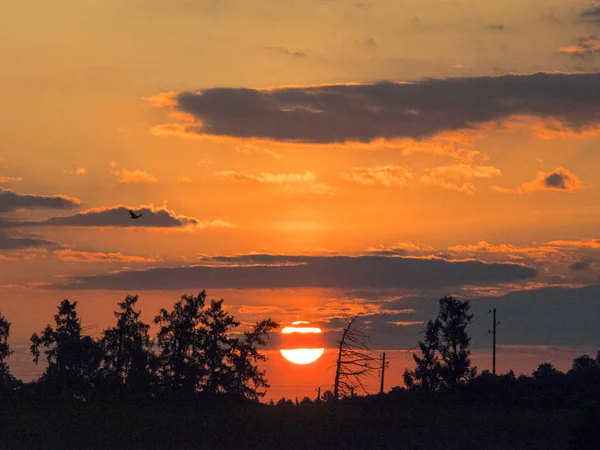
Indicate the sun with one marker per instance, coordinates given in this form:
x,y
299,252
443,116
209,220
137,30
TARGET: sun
x,y
302,343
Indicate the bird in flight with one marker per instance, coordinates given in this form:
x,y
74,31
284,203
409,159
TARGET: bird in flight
x,y
134,215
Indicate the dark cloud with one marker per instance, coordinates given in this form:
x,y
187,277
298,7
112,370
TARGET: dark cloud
x,y
119,217
557,180
560,179
10,201
341,113
16,242
314,272
580,265
592,14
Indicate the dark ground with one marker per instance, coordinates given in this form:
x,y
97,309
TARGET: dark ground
x,y
305,427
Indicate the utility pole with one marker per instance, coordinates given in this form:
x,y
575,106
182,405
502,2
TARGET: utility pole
x,y
319,395
494,345
382,373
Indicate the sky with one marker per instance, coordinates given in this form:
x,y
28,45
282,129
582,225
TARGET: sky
x,y
306,161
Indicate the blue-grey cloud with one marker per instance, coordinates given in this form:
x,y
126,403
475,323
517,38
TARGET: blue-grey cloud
x,y
342,113
314,272
557,316
10,201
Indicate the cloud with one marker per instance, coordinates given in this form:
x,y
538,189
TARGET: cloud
x,y
99,257
548,316
294,184
267,178
580,265
118,216
77,171
312,272
134,176
288,52
496,27
16,242
183,179
10,201
401,248
583,243
459,177
560,180
585,47
407,323
321,114
387,175
6,180
250,149
592,14
370,42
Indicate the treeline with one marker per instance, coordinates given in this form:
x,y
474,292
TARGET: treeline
x,y
443,373
196,354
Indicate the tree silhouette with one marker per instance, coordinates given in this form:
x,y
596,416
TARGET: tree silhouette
x,y
454,341
248,380
180,340
445,361
73,359
127,351
6,379
426,375
546,371
354,361
218,346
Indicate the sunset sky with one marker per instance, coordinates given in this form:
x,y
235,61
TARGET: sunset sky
x,y
306,160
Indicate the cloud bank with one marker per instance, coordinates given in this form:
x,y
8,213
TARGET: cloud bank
x,y
322,114
313,272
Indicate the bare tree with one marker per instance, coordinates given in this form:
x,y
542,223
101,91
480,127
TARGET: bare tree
x,y
354,361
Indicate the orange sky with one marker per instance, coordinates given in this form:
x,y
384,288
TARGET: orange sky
x,y
362,156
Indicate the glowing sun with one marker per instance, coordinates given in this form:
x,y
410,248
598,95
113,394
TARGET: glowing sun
x,y
302,343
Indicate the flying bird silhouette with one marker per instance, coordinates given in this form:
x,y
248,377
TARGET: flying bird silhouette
x,y
134,215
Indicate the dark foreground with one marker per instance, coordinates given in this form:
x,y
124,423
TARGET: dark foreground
x,y
302,427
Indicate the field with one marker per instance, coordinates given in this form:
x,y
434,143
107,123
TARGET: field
x,y
355,426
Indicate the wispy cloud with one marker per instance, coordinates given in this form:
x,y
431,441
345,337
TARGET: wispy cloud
x,y
6,180
77,171
267,178
387,175
134,176
99,257
459,177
